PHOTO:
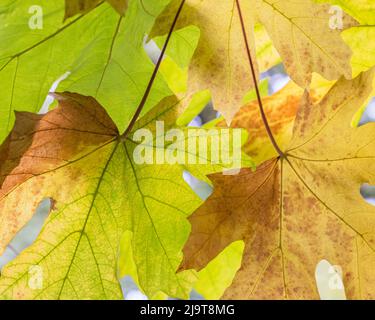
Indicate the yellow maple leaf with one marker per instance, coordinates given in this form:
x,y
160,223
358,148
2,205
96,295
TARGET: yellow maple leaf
x,y
299,30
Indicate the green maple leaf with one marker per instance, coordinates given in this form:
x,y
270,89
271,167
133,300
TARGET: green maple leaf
x,y
220,272
75,156
102,50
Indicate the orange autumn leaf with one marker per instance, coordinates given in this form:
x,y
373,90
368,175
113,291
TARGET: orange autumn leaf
x,y
281,109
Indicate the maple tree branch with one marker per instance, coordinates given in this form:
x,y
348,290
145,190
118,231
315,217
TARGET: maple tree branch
x,y
153,76
261,108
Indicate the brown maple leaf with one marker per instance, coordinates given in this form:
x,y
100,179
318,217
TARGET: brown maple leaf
x,y
73,7
296,210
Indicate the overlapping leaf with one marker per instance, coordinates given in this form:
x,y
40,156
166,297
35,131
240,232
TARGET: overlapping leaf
x,y
75,156
73,7
296,210
291,212
219,273
216,64
281,109
359,37
299,31
102,50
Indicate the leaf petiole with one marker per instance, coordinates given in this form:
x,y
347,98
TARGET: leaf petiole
x,y
264,118
153,76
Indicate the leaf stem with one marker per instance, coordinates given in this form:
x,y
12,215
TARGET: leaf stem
x,y
261,108
153,76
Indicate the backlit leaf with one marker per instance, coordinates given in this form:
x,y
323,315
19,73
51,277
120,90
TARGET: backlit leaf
x,y
299,31
102,50
293,211
75,156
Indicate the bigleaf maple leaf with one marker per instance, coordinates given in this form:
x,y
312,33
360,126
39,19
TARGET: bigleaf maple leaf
x,y
299,30
298,209
102,51
75,156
